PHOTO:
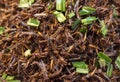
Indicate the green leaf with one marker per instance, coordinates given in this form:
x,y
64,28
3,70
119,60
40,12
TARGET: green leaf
x,y
25,3
4,75
2,29
82,70
79,64
102,62
13,81
83,30
115,12
60,17
33,22
109,70
81,67
56,13
75,23
31,1
87,11
9,78
72,14
60,5
88,20
104,30
117,62
101,55
49,5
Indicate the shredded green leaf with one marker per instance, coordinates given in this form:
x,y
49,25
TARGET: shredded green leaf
x,y
102,62
115,12
13,81
88,20
33,22
81,67
60,5
105,57
4,75
9,78
117,62
60,17
25,3
2,29
82,70
104,30
83,30
79,64
75,23
49,5
109,70
87,11
72,14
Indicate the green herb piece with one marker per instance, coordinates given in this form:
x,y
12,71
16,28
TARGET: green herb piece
x,y
82,70
88,20
4,75
81,67
83,30
25,3
60,5
9,78
79,64
13,81
49,4
87,11
102,62
117,62
75,23
109,70
105,57
72,14
33,22
115,12
56,13
60,17
31,1
104,30
2,29
27,53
